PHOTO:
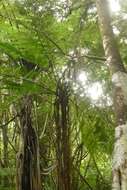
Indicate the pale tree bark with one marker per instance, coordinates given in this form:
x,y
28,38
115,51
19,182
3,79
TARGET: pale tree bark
x,y
119,79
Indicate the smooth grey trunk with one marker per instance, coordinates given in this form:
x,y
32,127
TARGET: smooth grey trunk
x,y
119,79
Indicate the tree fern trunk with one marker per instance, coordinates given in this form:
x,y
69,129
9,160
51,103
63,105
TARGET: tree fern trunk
x,y
5,149
63,138
28,169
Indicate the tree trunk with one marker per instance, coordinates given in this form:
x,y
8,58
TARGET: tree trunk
x,y
28,168
5,149
63,139
119,79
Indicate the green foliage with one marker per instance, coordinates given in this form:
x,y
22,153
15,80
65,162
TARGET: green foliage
x,y
61,41
7,172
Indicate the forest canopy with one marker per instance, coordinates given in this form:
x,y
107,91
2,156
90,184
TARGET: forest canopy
x,y
63,95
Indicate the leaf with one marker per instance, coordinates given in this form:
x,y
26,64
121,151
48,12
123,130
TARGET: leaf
x,y
10,50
